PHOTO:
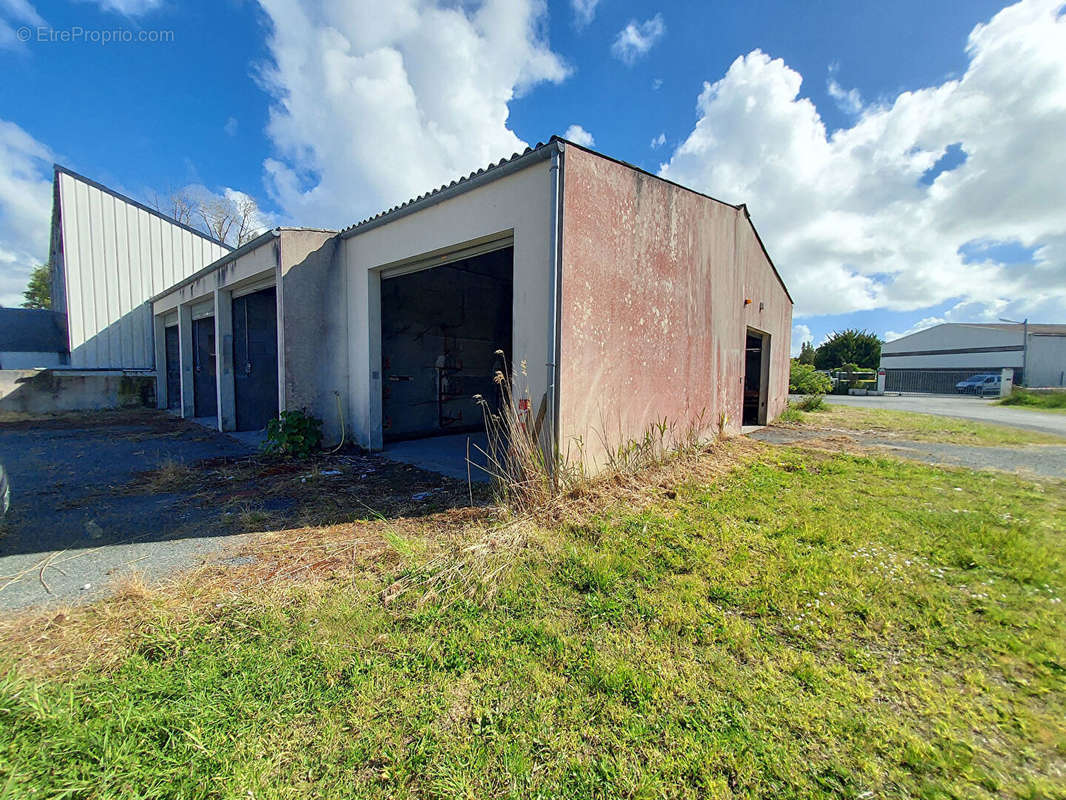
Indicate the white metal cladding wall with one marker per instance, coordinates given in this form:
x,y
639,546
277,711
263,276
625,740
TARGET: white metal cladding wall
x,y
116,255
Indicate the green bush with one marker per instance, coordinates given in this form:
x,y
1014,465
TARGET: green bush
x,y
294,433
805,379
814,402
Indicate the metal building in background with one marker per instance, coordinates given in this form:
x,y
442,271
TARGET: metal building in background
x,y
940,358
109,254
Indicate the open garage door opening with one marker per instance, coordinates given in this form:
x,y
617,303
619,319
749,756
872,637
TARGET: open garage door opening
x,y
441,329
756,374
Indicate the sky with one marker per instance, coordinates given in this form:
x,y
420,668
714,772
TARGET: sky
x,y
903,162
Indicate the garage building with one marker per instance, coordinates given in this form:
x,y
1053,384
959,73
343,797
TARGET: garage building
x,y
619,300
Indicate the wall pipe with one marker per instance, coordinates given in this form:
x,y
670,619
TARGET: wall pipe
x,y
555,265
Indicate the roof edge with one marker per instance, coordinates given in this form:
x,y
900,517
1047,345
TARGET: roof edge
x,y
59,168
505,167
233,255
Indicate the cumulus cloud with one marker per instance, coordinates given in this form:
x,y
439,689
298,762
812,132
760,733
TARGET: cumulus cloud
x,y
16,13
848,100
376,103
800,334
658,141
584,11
637,38
846,216
129,8
25,209
578,135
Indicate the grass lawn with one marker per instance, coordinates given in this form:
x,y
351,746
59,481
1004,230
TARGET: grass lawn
x,y
1036,401
916,426
808,625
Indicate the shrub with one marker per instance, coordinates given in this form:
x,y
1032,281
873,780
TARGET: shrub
x,y
805,379
814,402
293,433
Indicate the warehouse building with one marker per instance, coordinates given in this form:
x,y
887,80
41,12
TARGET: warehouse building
x,y
618,298
936,359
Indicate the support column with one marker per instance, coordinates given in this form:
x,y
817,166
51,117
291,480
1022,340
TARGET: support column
x,y
188,403
159,340
227,405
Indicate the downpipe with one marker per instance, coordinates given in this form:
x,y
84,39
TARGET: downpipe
x,y
555,265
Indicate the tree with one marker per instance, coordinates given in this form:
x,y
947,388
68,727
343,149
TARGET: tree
x,y
38,292
806,355
177,205
803,379
235,213
850,346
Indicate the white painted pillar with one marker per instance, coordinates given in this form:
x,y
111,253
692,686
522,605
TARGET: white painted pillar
x,y
224,388
188,403
1006,382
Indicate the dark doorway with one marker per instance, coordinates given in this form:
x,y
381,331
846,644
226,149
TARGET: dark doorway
x,y
255,359
756,351
172,343
440,330
205,400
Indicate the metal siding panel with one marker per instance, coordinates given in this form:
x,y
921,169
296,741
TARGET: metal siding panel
x,y
109,330
88,272
71,264
124,274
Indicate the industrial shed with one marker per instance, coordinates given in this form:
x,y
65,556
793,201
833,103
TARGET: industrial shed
x,y
935,359
109,254
620,300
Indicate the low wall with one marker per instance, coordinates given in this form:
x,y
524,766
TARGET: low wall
x,y
43,391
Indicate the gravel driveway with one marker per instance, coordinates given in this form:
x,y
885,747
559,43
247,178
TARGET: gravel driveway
x,y
73,527
961,407
1045,460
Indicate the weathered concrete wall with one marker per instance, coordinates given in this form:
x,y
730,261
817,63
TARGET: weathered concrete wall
x,y
313,328
47,391
519,202
652,312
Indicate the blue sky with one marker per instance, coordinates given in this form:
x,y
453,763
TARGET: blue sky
x,y
150,117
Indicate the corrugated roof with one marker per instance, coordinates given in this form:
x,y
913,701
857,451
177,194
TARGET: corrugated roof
x,y
1034,328
31,330
457,185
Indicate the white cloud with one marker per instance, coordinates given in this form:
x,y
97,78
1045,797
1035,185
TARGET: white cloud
x,y
848,100
15,14
637,38
376,103
846,217
656,84
129,8
25,209
658,141
584,11
578,135
800,334
231,126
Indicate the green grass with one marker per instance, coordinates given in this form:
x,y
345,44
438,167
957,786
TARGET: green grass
x,y
1041,401
916,426
807,627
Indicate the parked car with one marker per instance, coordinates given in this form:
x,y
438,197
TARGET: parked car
x,y
983,384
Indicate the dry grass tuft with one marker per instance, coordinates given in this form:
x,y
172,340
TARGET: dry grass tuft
x,y
172,476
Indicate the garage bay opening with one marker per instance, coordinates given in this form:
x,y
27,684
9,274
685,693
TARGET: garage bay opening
x,y
441,330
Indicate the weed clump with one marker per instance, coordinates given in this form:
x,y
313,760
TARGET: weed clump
x,y
293,433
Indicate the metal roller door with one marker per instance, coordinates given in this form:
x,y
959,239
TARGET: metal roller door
x,y
205,399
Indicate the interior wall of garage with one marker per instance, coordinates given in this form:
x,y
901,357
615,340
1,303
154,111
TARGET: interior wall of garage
x,y
440,331
652,308
517,204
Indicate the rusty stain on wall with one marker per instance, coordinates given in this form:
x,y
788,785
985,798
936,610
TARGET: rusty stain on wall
x,y
653,320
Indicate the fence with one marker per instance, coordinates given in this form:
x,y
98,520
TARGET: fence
x,y
936,381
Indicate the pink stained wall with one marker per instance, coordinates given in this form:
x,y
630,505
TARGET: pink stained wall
x,y
652,314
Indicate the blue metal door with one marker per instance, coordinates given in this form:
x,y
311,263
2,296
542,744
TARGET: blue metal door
x,y
255,359
173,351
205,400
